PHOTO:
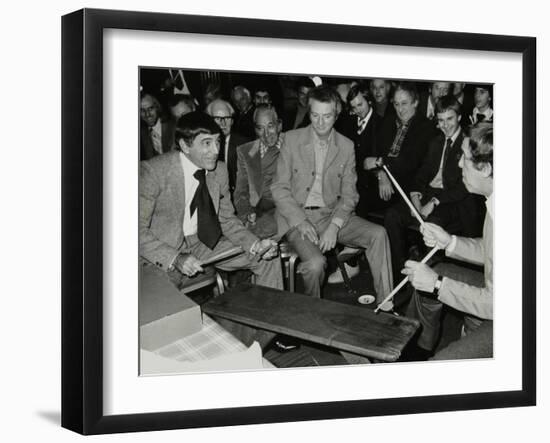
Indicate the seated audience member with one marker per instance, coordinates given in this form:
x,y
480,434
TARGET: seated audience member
x,y
223,115
346,121
363,134
257,161
181,104
262,96
213,92
156,136
465,97
298,117
427,102
483,110
315,195
380,90
242,99
185,211
460,288
437,191
401,145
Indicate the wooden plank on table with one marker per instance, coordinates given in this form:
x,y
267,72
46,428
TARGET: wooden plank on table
x,y
349,328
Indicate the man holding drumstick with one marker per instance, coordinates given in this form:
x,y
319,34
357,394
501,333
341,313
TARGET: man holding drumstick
x,y
460,288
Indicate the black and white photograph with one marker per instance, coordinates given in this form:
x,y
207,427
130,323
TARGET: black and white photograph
x,y
305,220
276,221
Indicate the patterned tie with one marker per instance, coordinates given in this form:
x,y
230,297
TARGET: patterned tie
x,y
208,225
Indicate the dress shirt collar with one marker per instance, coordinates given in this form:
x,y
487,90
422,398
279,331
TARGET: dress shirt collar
x,y
322,143
188,166
363,122
264,148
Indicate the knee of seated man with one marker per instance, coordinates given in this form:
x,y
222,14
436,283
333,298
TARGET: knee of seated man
x,y
315,265
372,233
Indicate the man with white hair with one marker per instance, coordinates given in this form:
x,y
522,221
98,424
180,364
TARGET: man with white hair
x,y
223,114
242,99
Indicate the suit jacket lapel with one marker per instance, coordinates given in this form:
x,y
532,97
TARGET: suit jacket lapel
x,y
255,168
332,152
213,189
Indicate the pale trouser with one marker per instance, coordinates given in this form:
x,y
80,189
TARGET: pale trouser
x,y
357,232
267,272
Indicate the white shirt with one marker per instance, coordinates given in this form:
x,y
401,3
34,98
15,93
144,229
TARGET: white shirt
x,y
362,124
191,184
156,136
430,109
226,147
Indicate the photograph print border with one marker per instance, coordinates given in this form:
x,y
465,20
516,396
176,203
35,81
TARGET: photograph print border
x,y
82,220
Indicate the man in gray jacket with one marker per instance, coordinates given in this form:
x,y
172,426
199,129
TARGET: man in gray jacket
x,y
315,194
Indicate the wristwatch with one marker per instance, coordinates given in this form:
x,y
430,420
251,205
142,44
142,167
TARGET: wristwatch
x,y
437,285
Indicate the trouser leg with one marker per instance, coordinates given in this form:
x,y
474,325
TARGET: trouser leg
x,y
312,263
364,234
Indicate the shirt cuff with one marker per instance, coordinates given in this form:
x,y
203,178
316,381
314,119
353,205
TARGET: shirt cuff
x,y
449,249
171,265
338,222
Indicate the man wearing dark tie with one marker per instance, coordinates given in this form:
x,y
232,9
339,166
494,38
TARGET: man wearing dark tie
x,y
156,136
223,115
185,212
437,192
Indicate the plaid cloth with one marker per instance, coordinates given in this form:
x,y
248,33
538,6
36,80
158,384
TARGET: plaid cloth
x,y
402,129
210,342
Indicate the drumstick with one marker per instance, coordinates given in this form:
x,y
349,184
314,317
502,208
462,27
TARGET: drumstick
x,y
409,203
222,255
404,281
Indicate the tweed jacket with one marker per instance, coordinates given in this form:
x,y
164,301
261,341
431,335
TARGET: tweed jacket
x,y
296,173
250,178
162,207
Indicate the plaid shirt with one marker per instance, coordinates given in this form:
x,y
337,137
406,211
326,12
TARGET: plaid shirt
x,y
402,129
264,148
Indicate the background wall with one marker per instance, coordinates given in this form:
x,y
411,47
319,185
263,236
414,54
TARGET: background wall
x,y
30,219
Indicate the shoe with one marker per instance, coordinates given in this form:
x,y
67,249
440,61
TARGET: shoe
x,y
336,276
285,344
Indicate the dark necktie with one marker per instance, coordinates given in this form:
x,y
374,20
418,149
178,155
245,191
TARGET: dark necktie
x,y
446,153
208,225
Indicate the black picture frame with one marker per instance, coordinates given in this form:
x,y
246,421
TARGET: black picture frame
x,y
82,220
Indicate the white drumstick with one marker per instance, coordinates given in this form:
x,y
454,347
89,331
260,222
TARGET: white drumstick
x,y
409,203
404,281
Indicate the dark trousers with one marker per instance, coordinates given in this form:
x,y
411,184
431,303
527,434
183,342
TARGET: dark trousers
x,y
478,339
463,218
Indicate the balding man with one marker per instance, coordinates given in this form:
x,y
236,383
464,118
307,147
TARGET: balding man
x,y
223,114
257,164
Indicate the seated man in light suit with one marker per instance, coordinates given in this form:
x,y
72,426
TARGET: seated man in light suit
x,y
186,214
461,288
257,162
315,195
